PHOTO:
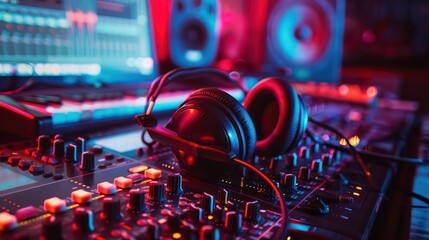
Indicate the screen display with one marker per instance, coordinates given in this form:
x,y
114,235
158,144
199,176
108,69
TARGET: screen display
x,y
77,40
10,179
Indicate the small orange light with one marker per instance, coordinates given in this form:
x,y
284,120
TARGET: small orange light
x,y
343,142
354,141
371,91
177,235
356,194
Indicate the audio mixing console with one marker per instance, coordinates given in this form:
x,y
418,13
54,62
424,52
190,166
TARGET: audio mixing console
x,y
111,186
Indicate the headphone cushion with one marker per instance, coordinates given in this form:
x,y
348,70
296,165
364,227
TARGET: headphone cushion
x,y
277,113
239,113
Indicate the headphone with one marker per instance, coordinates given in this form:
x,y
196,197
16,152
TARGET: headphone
x,y
211,127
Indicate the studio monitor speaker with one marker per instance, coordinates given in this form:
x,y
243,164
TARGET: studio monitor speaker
x,y
193,32
304,39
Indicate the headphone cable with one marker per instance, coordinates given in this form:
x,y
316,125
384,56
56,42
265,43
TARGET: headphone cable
x,y
284,220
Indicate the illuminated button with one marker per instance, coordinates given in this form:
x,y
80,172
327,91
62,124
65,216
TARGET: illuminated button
x,y
80,196
123,182
27,213
152,173
54,205
135,177
138,169
106,188
7,221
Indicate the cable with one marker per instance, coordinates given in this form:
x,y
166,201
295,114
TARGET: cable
x,y
353,150
284,225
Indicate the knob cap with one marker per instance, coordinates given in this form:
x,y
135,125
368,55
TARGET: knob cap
x,y
304,173
83,220
336,155
71,153
291,160
111,209
304,152
208,232
43,144
326,159
289,182
174,184
156,192
58,148
222,197
207,203
195,214
317,166
251,212
315,147
219,215
80,144
52,228
136,201
152,230
234,222
87,162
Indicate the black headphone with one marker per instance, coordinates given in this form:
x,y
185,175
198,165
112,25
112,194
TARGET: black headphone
x,y
211,127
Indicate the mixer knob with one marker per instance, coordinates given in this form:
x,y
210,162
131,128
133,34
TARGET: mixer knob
x,y
58,148
156,192
152,230
71,152
222,197
291,160
234,222
208,232
318,206
83,220
219,215
52,228
251,212
80,144
304,173
174,184
336,155
326,159
304,152
136,201
173,223
87,161
187,231
274,163
315,147
43,144
317,166
207,203
58,136
337,181
111,209
289,182
195,214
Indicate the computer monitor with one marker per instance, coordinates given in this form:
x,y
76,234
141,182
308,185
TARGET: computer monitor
x,y
70,42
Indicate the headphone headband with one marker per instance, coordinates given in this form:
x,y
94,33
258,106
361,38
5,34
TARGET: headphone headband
x,y
187,73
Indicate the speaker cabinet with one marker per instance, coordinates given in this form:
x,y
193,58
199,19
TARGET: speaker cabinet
x,y
193,32
304,39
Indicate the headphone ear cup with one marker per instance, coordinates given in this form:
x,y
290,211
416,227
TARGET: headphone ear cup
x,y
213,118
278,114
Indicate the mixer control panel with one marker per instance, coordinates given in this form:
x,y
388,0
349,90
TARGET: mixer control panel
x,y
91,188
